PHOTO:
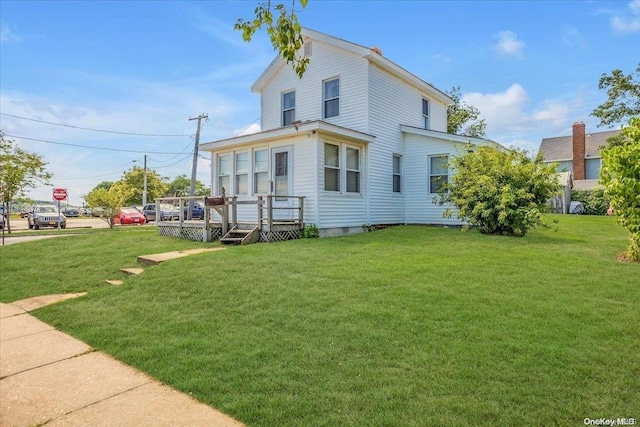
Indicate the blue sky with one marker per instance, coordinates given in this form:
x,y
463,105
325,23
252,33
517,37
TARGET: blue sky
x,y
145,67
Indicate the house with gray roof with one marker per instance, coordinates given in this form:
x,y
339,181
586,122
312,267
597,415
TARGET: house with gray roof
x,y
578,153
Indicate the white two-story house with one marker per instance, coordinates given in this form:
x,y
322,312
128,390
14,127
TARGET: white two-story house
x,y
362,139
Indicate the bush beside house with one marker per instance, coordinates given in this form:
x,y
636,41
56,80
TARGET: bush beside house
x,y
595,201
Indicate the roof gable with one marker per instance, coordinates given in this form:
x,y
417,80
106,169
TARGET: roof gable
x,y
372,55
561,147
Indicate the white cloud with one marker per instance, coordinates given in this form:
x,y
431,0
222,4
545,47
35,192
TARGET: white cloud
x,y
7,35
511,121
252,128
630,22
509,45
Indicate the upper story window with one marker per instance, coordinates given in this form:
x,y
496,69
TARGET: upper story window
x,y
331,96
425,113
438,172
224,173
397,160
288,108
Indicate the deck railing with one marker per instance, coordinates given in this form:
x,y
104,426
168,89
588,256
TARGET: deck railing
x,y
271,211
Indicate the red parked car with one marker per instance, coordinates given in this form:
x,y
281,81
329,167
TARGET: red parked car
x,y
130,216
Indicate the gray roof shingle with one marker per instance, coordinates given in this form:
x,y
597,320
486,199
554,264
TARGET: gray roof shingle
x,y
560,147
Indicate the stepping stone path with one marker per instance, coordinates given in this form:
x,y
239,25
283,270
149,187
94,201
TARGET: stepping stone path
x,y
132,271
158,258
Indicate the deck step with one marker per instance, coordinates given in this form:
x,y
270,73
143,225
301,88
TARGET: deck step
x,y
241,237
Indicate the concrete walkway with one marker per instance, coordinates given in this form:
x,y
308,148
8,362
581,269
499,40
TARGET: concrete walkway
x,y
49,378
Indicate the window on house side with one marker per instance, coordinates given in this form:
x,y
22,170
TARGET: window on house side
x,y
224,173
438,172
397,188
425,113
242,173
288,108
260,172
331,167
353,170
331,95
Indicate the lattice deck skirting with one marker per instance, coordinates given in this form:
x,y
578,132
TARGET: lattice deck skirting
x,y
278,236
188,233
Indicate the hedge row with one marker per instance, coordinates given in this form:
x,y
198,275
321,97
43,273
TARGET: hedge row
x,y
595,202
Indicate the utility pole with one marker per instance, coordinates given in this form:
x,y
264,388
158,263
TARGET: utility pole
x,y
144,188
192,187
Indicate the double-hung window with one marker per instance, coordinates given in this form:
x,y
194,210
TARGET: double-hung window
x,y
288,108
260,171
331,97
425,113
342,168
438,172
353,170
224,173
397,160
242,173
331,167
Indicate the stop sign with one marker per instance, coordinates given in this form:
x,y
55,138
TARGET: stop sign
x,y
59,193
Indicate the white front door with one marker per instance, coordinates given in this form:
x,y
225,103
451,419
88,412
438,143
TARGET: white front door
x,y
281,161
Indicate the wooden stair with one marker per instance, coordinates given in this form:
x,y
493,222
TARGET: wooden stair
x,y
237,236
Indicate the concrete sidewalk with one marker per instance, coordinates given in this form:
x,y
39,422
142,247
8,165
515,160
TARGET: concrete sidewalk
x,y
49,378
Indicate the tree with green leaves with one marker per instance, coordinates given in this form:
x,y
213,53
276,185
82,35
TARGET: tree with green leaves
x,y
19,170
499,192
460,114
624,98
285,33
620,174
180,187
107,203
134,178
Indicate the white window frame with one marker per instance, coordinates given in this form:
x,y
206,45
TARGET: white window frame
x,y
256,171
332,167
396,174
342,169
433,175
347,170
228,190
325,99
425,114
285,109
238,174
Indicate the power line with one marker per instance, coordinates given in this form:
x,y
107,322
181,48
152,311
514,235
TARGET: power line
x,y
92,129
88,146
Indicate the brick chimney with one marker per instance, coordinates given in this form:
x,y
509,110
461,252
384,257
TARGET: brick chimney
x,y
578,150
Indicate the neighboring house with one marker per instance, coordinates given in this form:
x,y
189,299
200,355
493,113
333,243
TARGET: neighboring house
x,y
577,153
362,139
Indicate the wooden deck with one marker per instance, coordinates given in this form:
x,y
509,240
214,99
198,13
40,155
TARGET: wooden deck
x,y
221,220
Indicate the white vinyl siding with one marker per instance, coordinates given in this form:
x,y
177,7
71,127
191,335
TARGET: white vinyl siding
x,y
328,63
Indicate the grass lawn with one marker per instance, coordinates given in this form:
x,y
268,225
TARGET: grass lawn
x,y
408,326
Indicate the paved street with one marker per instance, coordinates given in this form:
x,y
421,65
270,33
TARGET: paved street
x,y
20,224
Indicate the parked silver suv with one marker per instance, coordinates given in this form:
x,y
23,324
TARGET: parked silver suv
x,y
46,216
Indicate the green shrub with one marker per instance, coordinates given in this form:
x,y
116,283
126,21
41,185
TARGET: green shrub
x,y
500,192
311,232
595,201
